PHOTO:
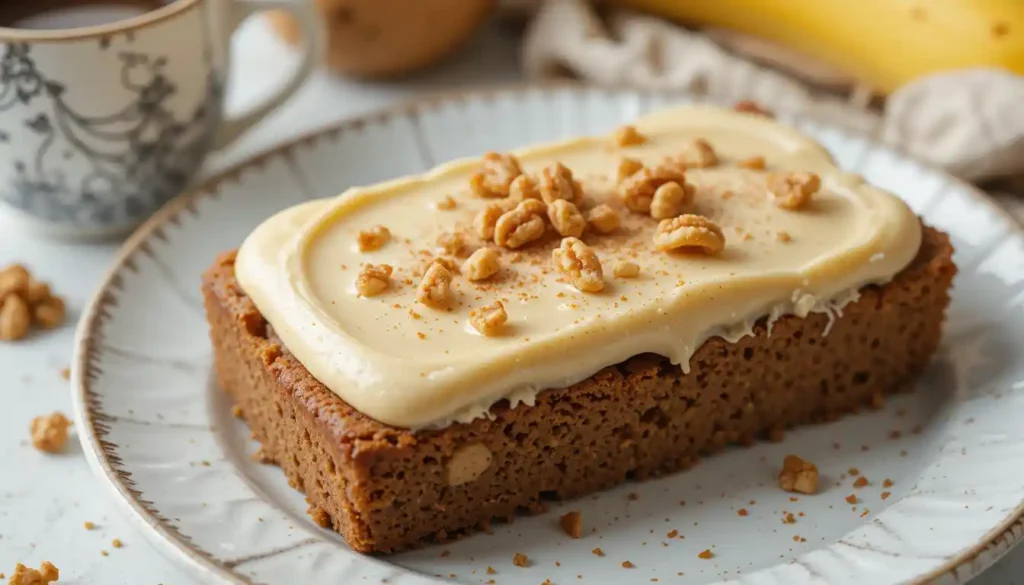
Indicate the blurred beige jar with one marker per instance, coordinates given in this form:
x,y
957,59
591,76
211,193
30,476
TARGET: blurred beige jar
x,y
375,38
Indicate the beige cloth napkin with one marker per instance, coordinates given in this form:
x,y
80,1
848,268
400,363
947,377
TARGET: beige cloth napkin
x,y
970,122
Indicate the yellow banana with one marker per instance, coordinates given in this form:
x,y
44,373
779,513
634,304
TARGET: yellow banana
x,y
884,43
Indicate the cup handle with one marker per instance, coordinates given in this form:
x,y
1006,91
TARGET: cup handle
x,y
232,128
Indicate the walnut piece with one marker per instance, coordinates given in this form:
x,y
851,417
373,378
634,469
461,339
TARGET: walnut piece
x,y
50,433
468,463
447,204
49,313
793,190
454,244
435,289
628,136
15,318
579,262
24,299
14,280
482,264
752,107
520,226
756,163
485,220
626,269
798,475
374,238
572,524
689,232
670,198
490,319
566,218
373,279
499,170
603,219
627,168
637,191
696,154
424,263
37,292
23,575
557,182
521,560
523,188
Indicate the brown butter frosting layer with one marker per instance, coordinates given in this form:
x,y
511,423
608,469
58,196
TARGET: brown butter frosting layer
x,y
409,365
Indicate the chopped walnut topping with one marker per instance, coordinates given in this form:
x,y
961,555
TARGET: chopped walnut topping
x,y
454,244
435,288
628,565
23,575
579,262
783,236
523,188
755,162
485,220
490,319
637,191
689,231
556,182
627,168
374,238
566,219
752,107
498,173
603,219
696,154
423,264
624,269
521,560
373,279
670,198
50,433
572,524
520,226
482,264
534,206
793,190
446,204
798,475
628,136
705,554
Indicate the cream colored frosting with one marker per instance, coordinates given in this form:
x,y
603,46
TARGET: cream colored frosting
x,y
300,266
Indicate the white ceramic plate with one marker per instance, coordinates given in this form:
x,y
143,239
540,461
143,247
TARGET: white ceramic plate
x,y
158,430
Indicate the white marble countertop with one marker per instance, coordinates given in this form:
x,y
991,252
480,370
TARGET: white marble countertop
x,y
44,500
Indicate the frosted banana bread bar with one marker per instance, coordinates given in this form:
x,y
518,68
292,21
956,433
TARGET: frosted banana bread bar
x,y
426,355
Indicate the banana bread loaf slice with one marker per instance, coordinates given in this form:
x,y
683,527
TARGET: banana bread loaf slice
x,y
386,489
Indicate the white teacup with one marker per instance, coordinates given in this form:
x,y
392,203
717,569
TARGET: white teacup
x,y
102,124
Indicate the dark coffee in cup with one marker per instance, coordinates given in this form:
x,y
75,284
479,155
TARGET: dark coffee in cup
x,y
108,108
69,14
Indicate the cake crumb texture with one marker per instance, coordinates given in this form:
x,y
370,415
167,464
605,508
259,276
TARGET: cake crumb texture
x,y
387,489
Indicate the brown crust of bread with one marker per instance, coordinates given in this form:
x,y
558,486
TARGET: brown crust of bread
x,y
385,489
